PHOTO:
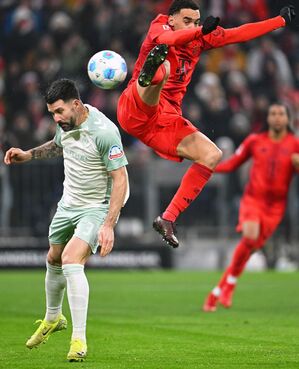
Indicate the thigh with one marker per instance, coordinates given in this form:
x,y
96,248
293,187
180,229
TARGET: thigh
x,y
251,229
196,147
88,224
133,114
61,228
76,251
167,134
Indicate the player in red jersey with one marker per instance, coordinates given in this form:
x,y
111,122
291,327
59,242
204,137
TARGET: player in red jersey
x,y
150,107
275,156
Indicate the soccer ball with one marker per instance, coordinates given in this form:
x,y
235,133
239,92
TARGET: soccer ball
x,y
107,69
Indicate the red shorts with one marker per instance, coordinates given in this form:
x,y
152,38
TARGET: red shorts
x,y
258,211
160,127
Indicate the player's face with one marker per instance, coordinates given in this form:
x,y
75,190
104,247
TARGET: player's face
x,y
64,113
278,119
185,19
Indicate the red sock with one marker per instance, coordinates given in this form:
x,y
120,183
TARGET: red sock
x,y
159,75
222,281
191,185
241,255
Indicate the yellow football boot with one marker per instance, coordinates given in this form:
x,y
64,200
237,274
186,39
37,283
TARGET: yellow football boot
x,y
44,330
78,350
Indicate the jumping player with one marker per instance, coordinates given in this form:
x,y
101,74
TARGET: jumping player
x,y
275,155
150,107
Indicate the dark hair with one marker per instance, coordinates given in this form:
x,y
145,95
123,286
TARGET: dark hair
x,y
265,126
279,103
177,5
64,89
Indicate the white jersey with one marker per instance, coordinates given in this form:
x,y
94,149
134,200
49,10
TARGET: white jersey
x,y
90,152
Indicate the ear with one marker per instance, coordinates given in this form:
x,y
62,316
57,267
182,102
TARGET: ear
x,y
76,103
171,20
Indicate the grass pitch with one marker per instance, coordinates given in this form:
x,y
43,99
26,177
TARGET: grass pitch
x,y
153,320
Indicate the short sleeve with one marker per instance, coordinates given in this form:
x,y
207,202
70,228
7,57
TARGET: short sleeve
x,y
111,149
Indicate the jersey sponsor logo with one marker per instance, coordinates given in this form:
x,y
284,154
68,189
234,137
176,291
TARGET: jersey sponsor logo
x,y
166,27
115,152
182,69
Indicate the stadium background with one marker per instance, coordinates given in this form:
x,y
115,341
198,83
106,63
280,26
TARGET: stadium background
x,y
227,99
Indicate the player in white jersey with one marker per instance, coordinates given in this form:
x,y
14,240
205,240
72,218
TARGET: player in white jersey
x,y
95,189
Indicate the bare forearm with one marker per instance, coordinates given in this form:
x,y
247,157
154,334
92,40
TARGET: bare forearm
x,y
117,199
46,151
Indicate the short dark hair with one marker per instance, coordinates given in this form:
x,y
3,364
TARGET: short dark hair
x,y
177,5
64,89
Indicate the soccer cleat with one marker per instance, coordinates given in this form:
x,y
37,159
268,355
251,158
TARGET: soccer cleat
x,y
152,62
78,350
226,296
167,230
210,304
41,335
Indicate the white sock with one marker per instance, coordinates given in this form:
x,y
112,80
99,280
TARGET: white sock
x,y
216,291
55,283
231,279
78,293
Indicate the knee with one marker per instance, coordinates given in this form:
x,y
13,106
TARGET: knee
x,y
53,258
253,243
213,157
66,258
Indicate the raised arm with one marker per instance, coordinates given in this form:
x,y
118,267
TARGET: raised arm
x,y
119,195
221,36
249,31
46,151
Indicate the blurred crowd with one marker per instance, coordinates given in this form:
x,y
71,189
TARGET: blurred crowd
x,y
43,40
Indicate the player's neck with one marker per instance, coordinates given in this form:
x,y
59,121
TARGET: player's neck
x,y
83,115
277,136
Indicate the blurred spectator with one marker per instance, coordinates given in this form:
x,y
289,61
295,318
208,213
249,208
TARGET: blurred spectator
x,y
268,67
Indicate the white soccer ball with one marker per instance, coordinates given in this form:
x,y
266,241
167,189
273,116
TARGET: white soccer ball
x,y
107,69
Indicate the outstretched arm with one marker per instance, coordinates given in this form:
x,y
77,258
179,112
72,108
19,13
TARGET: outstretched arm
x,y
119,194
221,37
238,158
45,151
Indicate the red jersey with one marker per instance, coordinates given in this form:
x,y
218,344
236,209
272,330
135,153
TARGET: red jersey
x,y
186,47
272,169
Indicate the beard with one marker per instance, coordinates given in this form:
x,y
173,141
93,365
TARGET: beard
x,y
67,126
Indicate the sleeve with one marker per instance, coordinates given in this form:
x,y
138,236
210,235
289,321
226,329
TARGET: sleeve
x,y
57,137
111,149
221,37
179,37
162,33
242,154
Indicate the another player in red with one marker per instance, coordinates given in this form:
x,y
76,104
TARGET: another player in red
x,y
275,156
150,107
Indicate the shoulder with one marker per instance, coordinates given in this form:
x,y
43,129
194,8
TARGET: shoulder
x,y
98,123
253,137
160,19
293,139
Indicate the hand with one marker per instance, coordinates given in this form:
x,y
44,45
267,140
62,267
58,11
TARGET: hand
x,y
288,13
106,239
15,155
295,161
210,24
